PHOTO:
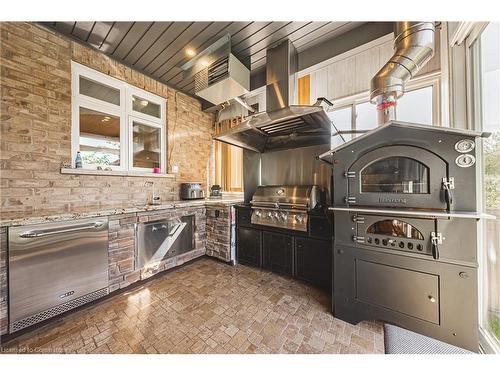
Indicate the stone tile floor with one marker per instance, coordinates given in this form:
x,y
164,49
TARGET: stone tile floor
x,y
207,307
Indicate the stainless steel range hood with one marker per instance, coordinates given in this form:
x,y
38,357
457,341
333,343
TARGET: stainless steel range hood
x,y
284,125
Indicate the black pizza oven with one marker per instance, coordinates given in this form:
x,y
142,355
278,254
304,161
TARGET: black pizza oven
x,y
405,233
404,165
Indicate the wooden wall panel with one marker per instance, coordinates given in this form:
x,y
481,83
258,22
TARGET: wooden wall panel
x,y
304,90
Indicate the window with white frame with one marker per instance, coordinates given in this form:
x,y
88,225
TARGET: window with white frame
x,y
419,105
116,125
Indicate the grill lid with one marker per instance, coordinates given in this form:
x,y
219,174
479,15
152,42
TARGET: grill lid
x,y
287,196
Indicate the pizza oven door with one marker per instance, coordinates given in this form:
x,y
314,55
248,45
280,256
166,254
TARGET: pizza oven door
x,y
402,234
398,176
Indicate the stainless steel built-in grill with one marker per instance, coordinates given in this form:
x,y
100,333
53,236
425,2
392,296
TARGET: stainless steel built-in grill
x,y
284,206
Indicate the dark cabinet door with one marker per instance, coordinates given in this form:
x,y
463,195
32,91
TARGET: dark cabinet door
x,y
248,249
243,216
277,252
314,261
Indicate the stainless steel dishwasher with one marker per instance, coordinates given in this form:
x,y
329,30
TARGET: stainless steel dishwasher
x,y
54,268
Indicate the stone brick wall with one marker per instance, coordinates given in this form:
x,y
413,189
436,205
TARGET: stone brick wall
x,y
3,281
219,232
121,254
35,130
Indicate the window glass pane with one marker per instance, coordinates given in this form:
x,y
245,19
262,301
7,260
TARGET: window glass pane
x,y
366,116
342,119
99,138
145,106
99,91
490,99
395,228
416,106
147,146
395,175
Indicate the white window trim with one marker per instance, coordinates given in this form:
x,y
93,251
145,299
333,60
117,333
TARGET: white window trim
x,y
124,111
131,141
134,91
431,79
488,343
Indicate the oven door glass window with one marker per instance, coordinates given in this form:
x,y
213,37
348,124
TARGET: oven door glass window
x,y
399,175
395,228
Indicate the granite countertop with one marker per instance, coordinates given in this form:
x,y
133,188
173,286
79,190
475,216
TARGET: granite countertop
x,y
38,217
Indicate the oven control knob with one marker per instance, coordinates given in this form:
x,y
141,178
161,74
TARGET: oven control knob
x,y
299,219
283,216
258,213
270,214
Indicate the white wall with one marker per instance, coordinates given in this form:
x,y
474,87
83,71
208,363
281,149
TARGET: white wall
x,y
344,75
350,73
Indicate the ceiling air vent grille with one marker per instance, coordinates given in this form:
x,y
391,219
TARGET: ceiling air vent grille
x,y
201,80
225,79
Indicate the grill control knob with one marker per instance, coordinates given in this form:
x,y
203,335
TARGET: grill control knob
x,y
258,213
299,218
283,216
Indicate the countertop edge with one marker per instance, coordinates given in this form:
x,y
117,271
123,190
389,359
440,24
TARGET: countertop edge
x,y
32,220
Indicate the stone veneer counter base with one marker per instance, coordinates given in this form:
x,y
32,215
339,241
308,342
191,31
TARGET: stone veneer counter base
x,y
122,267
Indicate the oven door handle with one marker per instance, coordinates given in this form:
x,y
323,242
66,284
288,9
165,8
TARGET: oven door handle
x,y
435,250
448,194
436,240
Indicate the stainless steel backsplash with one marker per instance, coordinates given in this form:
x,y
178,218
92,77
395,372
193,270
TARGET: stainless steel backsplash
x,y
288,167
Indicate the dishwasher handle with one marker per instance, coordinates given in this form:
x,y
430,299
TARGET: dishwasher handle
x,y
43,233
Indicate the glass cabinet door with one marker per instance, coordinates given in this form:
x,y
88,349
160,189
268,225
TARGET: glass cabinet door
x,y
146,142
395,175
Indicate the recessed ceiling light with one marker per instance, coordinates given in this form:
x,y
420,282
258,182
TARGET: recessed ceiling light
x,y
190,52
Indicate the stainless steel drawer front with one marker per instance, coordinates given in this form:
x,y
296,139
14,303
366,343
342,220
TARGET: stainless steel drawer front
x,y
162,239
55,267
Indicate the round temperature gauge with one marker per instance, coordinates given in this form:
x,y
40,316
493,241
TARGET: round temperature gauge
x,y
465,145
465,160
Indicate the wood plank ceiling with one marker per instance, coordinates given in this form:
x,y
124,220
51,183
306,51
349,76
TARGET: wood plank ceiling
x,y
159,48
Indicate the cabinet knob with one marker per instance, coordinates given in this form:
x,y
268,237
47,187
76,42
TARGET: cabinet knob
x,y
431,298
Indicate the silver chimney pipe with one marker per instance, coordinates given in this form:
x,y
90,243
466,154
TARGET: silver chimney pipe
x,y
414,47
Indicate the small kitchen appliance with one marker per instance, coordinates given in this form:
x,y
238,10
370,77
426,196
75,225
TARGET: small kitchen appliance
x,y
192,190
215,191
